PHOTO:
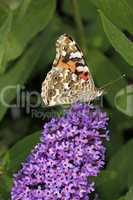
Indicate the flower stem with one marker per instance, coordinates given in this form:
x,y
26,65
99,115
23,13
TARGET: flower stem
x,y
79,24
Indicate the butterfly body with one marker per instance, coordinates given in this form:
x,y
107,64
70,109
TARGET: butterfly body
x,y
69,80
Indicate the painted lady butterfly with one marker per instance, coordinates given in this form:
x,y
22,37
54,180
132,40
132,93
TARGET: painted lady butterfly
x,y
69,80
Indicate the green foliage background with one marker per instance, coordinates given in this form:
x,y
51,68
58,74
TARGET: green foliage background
x,y
28,32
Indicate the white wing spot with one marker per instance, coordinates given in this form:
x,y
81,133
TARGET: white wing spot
x,y
80,68
66,86
63,53
74,77
72,43
86,69
76,55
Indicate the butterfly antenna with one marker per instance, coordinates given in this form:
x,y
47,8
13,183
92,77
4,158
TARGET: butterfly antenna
x,y
112,82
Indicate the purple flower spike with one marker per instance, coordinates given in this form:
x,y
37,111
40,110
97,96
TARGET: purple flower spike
x,y
70,151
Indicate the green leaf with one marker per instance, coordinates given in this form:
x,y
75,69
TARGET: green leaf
x,y
114,180
124,100
122,65
18,153
12,4
129,195
121,198
87,10
119,12
104,72
130,3
5,29
96,36
23,8
5,186
18,74
130,180
118,40
116,131
30,18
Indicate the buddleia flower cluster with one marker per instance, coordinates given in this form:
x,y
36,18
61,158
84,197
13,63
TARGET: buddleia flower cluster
x,y
70,151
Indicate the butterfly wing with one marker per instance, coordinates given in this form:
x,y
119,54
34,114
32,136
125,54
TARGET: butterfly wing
x,y
69,79
69,56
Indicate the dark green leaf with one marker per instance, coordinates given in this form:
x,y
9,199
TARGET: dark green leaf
x,y
114,181
96,36
87,10
122,65
129,195
104,71
18,74
30,18
118,40
117,130
18,153
130,3
5,186
12,4
119,12
121,198
5,29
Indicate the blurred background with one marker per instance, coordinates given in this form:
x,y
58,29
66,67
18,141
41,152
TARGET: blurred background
x,y
28,32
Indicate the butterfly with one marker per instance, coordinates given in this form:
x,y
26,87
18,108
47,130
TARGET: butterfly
x,y
69,80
